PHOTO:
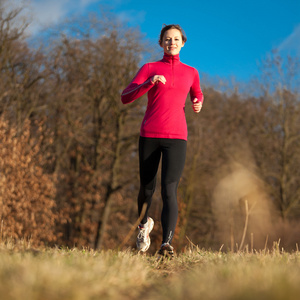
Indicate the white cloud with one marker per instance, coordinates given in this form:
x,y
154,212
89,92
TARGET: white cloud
x,y
43,13
84,3
49,11
132,17
291,44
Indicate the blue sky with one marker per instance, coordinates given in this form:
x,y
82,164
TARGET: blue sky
x,y
226,39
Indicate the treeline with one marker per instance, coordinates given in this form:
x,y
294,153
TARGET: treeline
x,y
69,162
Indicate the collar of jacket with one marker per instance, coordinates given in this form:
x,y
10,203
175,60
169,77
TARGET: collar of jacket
x,y
171,59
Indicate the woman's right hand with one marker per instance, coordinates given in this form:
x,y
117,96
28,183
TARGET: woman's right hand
x,y
158,78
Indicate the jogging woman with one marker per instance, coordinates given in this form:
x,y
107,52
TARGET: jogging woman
x,y
163,133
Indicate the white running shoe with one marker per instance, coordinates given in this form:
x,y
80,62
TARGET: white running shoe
x,y
143,239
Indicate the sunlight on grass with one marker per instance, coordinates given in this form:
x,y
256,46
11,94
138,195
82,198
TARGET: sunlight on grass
x,y
26,273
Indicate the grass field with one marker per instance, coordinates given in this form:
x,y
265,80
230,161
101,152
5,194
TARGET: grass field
x,y
196,274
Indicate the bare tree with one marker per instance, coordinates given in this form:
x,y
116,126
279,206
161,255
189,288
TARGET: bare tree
x,y
89,68
281,93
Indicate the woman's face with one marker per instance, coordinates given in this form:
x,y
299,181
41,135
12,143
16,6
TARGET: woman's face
x,y
172,42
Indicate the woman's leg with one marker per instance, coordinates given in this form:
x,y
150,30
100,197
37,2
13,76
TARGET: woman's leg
x,y
149,157
173,160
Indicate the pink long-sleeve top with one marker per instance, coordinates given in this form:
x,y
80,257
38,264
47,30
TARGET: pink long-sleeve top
x,y
165,114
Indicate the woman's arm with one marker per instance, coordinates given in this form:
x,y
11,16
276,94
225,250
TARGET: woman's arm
x,y
139,85
196,93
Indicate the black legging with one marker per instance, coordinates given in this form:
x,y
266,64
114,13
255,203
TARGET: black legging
x,y
173,158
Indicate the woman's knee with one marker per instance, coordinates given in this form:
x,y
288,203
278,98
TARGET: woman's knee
x,y
169,191
146,192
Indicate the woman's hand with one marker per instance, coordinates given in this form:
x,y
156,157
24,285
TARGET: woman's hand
x,y
158,78
197,105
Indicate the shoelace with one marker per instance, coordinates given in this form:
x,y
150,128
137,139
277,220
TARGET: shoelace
x,y
142,234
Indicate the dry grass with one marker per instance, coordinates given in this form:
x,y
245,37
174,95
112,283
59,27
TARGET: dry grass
x,y
196,274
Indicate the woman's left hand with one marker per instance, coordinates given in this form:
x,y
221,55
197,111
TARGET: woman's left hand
x,y
197,105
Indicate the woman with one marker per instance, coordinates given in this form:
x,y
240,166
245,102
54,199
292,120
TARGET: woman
x,y
163,131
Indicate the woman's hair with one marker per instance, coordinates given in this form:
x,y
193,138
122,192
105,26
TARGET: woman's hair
x,y
171,26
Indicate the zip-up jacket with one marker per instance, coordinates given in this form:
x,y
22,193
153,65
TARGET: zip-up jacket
x,y
165,114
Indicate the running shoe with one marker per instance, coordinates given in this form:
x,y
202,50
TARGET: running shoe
x,y
166,250
143,239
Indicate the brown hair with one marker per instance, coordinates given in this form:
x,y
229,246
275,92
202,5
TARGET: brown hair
x,y
171,26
